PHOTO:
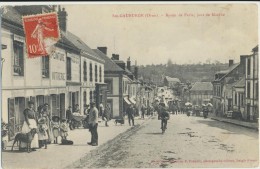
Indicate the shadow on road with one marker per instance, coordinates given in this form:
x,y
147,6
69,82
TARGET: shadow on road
x,y
231,129
160,133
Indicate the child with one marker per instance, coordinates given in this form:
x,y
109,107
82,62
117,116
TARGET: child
x,y
42,136
64,129
55,128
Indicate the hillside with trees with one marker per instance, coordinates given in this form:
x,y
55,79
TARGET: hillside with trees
x,y
186,73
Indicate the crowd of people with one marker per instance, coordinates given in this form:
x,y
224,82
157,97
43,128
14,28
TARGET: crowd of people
x,y
50,128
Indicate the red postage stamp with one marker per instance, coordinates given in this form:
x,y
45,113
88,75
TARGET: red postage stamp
x,y
41,32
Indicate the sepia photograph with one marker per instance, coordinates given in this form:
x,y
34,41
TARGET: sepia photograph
x,y
129,85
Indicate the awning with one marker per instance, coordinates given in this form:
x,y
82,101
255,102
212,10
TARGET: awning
x,y
126,100
132,100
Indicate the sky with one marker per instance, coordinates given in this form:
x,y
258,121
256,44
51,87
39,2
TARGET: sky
x,y
184,33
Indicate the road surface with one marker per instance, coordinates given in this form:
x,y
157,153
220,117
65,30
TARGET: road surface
x,y
188,142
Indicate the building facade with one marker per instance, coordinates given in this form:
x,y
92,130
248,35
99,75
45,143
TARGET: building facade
x,y
222,86
251,86
71,75
200,92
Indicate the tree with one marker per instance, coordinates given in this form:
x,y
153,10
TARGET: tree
x,y
169,63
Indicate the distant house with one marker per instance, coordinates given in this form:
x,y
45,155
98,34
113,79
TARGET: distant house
x,y
200,92
222,86
251,85
170,81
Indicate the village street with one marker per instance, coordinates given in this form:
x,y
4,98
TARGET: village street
x,y
188,142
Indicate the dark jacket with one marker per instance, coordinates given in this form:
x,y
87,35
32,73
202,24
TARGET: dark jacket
x,y
130,111
165,115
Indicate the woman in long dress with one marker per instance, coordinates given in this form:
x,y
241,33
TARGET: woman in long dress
x,y
30,123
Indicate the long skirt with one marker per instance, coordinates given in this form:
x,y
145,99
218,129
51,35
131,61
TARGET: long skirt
x,y
55,132
26,129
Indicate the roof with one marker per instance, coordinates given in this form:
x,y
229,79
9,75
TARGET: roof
x,y
227,71
109,64
202,86
255,49
240,83
171,79
81,45
11,14
64,39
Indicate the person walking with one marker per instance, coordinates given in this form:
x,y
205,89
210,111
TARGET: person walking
x,y
106,115
93,124
130,114
143,108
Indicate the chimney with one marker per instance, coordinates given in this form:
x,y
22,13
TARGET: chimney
x,y
62,15
103,49
231,62
128,64
115,57
136,72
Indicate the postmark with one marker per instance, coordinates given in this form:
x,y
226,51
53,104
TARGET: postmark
x,y
41,33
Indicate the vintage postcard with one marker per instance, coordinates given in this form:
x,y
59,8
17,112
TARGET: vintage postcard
x,y
129,85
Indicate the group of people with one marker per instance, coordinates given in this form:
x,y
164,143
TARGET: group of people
x,y
48,129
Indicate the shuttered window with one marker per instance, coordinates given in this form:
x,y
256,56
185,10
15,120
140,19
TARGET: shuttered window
x,y
18,58
96,73
100,74
85,71
90,73
45,67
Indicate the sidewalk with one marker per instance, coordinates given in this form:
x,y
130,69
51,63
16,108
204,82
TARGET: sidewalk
x,y
250,125
60,156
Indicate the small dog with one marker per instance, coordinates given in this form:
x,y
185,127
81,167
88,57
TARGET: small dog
x,y
25,137
121,121
66,142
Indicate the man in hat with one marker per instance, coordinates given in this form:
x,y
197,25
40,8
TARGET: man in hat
x,y
69,116
130,114
93,124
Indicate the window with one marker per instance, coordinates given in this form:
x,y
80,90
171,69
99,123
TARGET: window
x,y
242,100
95,73
85,70
68,68
100,74
90,96
248,89
248,66
90,73
84,97
109,83
45,67
18,58
235,98
256,90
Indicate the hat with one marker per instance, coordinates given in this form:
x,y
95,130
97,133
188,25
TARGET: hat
x,y
30,102
55,117
42,120
63,120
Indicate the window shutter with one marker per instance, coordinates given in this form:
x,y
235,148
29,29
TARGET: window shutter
x,y
11,118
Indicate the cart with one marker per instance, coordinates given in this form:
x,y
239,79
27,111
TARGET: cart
x,y
78,121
